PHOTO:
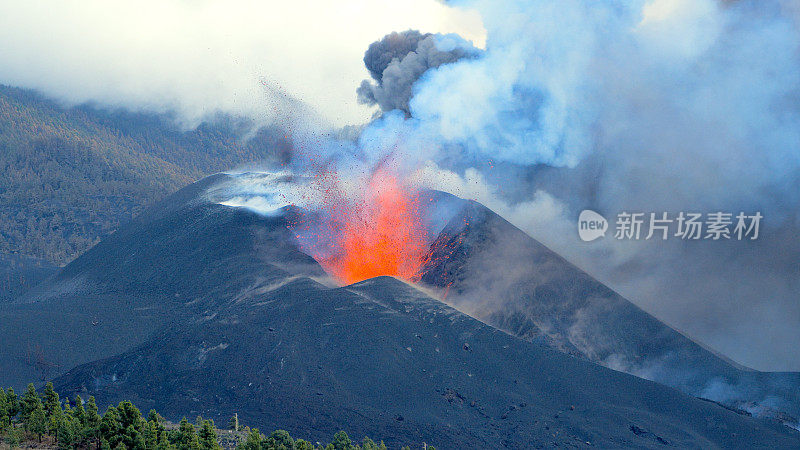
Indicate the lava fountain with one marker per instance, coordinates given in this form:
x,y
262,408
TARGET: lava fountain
x,y
367,232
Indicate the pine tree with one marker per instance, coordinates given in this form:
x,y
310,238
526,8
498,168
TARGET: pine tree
x,y
151,435
5,422
163,440
280,440
91,423
78,412
133,439
12,403
92,415
253,441
30,401
153,416
369,444
303,445
68,431
129,415
36,421
341,441
54,413
13,437
110,428
187,438
52,404
208,436
3,410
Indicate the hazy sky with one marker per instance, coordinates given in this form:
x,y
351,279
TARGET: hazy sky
x,y
201,56
639,105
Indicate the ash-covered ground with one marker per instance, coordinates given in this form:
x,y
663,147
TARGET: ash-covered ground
x,y
201,308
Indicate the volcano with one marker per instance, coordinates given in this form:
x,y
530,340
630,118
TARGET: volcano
x,y
498,274
196,308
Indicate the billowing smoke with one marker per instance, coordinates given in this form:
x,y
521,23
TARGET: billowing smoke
x,y
644,106
398,60
195,59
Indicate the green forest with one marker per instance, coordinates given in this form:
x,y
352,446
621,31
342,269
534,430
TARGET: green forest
x,y
72,174
47,421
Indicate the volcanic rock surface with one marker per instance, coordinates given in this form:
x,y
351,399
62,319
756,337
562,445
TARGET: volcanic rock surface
x,y
500,275
198,308
177,260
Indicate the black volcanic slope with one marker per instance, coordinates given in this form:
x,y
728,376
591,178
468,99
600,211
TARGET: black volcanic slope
x,y
500,275
204,309
379,358
179,259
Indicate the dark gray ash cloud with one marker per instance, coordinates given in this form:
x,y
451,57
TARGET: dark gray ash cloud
x,y
398,60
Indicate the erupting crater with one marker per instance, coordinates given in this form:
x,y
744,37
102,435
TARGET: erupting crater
x,y
372,231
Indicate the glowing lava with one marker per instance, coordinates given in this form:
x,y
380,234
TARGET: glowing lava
x,y
377,231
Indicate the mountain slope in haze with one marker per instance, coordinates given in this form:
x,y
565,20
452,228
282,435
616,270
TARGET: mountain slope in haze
x,y
176,260
500,275
72,175
199,308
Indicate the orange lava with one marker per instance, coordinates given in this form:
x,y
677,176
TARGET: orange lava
x,y
378,231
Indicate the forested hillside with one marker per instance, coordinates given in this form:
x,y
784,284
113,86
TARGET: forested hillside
x,y
71,175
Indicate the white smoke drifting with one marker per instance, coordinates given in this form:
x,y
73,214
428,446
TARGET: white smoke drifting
x,y
650,106
641,105
243,57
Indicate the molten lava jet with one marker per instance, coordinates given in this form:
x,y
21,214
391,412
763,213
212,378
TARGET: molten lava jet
x,y
376,231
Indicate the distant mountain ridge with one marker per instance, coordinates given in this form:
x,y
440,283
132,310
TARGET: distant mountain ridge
x,y
72,174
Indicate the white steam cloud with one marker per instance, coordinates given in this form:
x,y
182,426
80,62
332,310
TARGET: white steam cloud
x,y
245,57
644,106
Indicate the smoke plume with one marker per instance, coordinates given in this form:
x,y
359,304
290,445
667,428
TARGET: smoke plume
x,y
398,60
638,106
252,58
644,106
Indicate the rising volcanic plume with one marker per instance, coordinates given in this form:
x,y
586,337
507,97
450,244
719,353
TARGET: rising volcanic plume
x,y
398,60
661,105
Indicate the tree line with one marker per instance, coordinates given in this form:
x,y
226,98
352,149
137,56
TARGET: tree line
x,y
45,418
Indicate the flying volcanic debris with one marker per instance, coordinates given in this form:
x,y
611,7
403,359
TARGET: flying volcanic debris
x,y
367,232
656,105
